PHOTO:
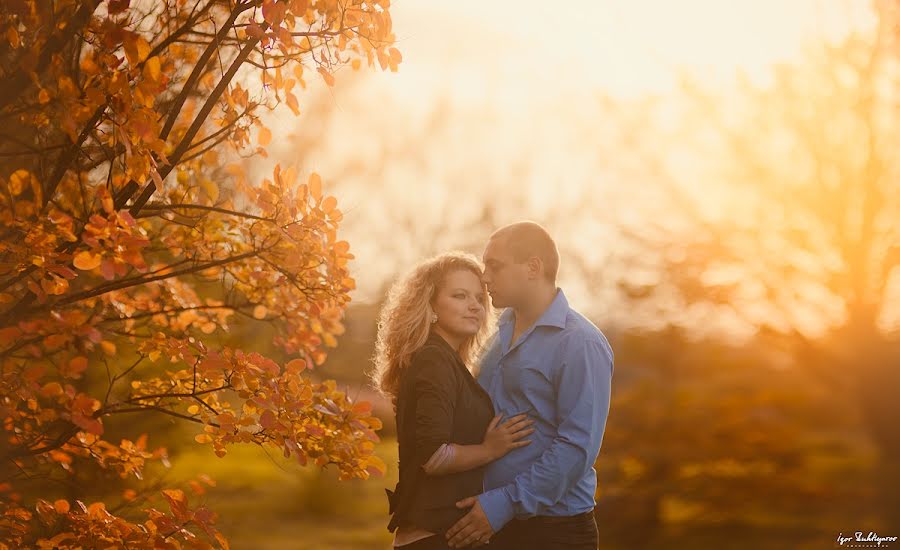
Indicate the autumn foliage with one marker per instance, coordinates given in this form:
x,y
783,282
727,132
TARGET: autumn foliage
x,y
131,236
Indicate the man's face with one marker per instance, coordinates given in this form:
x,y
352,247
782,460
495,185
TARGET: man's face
x,y
505,278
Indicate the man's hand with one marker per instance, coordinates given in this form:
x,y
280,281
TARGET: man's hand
x,y
473,528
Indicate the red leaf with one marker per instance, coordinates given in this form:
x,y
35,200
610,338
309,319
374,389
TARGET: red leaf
x,y
267,419
74,368
118,6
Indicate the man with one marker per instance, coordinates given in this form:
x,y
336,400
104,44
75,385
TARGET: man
x,y
552,363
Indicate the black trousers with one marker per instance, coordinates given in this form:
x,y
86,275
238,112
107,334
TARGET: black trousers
x,y
577,532
437,542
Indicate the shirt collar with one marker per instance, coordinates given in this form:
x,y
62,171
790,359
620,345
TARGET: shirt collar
x,y
553,316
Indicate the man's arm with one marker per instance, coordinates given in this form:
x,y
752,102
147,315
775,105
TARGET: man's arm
x,y
583,394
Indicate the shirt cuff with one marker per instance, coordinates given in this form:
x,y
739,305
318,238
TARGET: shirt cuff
x,y
497,507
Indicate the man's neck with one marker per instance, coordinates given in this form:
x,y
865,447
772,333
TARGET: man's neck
x,y
528,314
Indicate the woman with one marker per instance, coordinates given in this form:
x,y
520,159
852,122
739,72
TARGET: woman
x,y
432,325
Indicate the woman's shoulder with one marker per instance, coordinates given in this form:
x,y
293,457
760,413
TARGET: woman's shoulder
x,y
432,361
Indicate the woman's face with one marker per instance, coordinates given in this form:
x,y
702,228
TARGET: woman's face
x,y
458,303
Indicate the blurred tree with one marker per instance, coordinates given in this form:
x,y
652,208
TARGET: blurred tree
x,y
799,236
707,440
126,245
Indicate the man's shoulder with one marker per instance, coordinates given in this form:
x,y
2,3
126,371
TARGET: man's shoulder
x,y
581,330
580,327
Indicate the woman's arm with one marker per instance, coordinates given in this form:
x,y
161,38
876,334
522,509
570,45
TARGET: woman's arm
x,y
451,458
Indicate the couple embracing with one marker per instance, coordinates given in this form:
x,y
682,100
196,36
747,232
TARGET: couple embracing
x,y
498,430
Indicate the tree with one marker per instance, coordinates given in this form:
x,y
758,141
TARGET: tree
x,y
804,243
128,241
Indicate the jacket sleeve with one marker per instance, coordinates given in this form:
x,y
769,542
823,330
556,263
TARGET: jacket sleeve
x,y
434,384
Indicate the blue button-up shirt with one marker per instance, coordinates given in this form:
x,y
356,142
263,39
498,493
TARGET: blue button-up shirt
x,y
559,372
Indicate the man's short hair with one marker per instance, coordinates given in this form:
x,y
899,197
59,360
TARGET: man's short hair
x,y
526,239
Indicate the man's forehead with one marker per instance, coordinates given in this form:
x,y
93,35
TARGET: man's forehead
x,y
494,249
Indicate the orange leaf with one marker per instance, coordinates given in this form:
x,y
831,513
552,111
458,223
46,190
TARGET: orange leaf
x,y
291,100
75,367
315,186
12,36
296,364
265,136
362,407
87,260
329,78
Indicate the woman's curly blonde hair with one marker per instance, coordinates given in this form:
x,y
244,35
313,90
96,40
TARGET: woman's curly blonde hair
x,y
405,319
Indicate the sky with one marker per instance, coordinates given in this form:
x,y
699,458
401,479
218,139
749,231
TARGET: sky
x,y
517,85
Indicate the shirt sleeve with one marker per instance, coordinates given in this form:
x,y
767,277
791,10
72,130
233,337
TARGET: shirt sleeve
x,y
434,385
583,394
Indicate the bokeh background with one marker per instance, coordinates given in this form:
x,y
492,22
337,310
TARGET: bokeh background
x,y
722,181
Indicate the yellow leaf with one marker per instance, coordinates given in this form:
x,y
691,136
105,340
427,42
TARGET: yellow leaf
x,y
109,348
260,312
193,409
152,68
265,136
143,48
86,260
212,190
43,97
202,438
356,64
19,181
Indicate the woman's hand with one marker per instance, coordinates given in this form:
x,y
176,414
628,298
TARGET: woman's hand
x,y
500,439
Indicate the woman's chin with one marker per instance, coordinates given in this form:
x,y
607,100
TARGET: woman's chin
x,y
467,331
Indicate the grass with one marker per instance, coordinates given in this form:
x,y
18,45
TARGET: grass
x,y
268,502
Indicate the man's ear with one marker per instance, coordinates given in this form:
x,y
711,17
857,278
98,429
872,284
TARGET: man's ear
x,y
535,267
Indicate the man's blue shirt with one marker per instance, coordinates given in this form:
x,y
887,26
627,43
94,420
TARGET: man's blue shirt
x,y
559,372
